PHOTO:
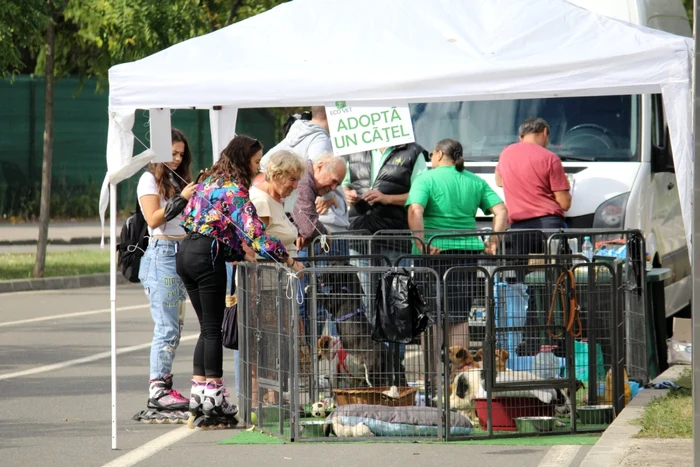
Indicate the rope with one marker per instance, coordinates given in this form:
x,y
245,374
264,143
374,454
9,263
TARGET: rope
x,y
325,247
573,308
291,275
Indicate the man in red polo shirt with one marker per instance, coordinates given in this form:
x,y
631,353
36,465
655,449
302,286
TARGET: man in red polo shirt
x,y
534,183
537,195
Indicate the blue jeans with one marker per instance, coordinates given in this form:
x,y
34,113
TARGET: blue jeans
x,y
166,295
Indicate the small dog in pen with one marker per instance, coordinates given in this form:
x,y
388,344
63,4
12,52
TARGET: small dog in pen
x,y
345,369
466,374
466,384
501,357
460,359
341,294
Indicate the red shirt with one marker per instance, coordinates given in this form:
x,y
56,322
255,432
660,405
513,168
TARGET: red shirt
x,y
531,174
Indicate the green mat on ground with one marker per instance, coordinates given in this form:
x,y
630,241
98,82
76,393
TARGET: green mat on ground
x,y
251,437
255,437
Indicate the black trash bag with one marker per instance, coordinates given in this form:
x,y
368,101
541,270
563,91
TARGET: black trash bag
x,y
401,312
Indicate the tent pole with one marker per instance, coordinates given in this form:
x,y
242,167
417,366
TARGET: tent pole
x,y
695,305
113,301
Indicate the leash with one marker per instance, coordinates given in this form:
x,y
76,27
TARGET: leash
x,y
574,316
350,315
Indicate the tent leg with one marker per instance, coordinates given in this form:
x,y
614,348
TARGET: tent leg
x,y
113,301
695,258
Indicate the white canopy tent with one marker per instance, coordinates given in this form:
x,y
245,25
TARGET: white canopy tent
x,y
311,52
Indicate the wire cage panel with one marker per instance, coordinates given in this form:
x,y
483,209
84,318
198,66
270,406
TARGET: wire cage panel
x,y
509,351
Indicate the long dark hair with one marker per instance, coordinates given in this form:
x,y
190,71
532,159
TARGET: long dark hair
x,y
168,183
235,160
452,149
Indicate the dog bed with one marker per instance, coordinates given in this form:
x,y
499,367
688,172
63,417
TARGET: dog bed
x,y
391,421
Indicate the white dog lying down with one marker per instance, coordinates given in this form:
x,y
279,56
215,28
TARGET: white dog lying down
x,y
468,386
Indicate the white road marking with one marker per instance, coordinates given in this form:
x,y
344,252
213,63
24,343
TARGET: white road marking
x,y
147,450
71,315
88,359
75,314
559,456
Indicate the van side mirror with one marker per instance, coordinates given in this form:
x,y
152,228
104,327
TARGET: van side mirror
x,y
662,157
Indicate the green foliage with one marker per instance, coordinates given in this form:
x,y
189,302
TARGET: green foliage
x,y
689,9
670,416
69,200
94,35
21,26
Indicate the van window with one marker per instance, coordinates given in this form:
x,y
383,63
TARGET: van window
x,y
658,122
601,128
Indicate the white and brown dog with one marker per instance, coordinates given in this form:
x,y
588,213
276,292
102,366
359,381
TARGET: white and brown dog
x,y
346,369
466,376
460,360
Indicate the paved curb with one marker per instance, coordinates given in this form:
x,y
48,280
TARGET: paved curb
x,y
611,448
57,241
57,283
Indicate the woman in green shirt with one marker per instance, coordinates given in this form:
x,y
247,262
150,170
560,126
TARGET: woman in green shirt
x,y
448,198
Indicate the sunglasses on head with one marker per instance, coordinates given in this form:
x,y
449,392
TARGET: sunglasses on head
x,y
255,141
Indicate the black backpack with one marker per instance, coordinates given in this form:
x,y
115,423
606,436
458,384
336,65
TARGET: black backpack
x,y
132,244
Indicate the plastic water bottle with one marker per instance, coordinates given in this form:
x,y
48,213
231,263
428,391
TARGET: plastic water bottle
x,y
587,248
573,245
546,363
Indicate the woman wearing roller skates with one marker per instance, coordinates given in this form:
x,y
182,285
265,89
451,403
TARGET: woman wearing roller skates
x,y
218,221
162,192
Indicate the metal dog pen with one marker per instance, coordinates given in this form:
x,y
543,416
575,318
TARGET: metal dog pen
x,y
282,375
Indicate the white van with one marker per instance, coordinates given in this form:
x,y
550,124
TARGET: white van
x,y
616,149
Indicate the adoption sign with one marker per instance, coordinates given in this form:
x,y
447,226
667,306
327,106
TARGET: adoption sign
x,y
361,128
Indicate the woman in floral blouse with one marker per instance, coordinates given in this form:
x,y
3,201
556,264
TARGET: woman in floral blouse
x,y
219,219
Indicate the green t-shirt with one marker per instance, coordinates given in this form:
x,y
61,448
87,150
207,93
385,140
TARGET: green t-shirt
x,y
450,200
378,160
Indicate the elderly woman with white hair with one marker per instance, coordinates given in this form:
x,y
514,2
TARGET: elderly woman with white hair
x,y
283,170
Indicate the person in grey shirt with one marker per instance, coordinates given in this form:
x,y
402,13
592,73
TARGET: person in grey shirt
x,y
310,139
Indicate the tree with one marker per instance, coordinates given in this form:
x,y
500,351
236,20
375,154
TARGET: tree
x,y
21,25
85,38
45,204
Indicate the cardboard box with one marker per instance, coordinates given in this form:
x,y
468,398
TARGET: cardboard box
x,y
682,330
680,346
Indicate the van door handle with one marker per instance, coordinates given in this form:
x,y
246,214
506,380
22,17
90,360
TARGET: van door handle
x,y
670,185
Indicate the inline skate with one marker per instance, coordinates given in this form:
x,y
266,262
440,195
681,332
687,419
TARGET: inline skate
x,y
209,408
165,405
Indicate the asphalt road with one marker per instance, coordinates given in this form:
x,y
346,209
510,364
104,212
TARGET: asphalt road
x,y
56,411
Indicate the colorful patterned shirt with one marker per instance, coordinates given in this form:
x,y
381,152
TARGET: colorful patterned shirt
x,y
217,205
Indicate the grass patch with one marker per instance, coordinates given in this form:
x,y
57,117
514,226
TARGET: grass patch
x,y
670,416
60,263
